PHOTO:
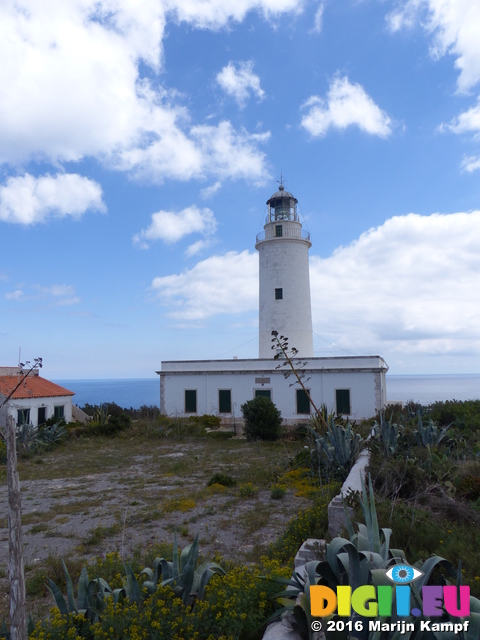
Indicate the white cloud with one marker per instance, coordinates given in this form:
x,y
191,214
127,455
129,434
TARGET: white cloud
x,y
407,287
240,82
218,13
58,295
454,28
318,19
210,150
471,163
29,200
14,295
466,122
219,284
70,74
171,226
208,192
347,104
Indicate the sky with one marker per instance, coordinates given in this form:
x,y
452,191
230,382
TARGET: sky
x,y
140,141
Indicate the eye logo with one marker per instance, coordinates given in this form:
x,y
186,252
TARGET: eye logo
x,y
403,574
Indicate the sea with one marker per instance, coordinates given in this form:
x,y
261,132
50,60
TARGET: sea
x,y
136,392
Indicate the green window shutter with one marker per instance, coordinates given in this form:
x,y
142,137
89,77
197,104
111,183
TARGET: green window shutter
x,y
303,403
41,418
342,397
23,416
59,412
278,231
265,393
224,401
190,401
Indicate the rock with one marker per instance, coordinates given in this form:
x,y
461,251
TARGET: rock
x,y
311,549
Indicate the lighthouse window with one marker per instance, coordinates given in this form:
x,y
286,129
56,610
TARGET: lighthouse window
x,y
278,231
263,393
342,397
278,294
224,401
303,403
190,401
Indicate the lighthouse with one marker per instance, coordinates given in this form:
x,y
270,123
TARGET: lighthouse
x,y
348,385
284,304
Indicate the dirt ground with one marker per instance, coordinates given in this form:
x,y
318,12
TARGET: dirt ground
x,y
138,492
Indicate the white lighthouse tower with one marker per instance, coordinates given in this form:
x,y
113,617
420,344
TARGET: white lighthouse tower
x,y
284,277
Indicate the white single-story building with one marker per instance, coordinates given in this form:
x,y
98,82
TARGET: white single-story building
x,y
350,386
36,399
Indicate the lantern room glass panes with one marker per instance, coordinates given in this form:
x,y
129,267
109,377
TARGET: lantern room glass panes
x,y
282,209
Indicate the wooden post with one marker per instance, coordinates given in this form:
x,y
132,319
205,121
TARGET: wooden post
x,y
18,608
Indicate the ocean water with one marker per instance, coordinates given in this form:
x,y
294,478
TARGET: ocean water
x,y
426,389
133,392
139,391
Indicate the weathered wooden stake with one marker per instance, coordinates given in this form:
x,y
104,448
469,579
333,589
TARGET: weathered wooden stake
x,y
18,608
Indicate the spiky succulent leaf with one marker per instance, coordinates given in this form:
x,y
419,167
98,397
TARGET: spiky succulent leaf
x,y
58,597
70,595
132,588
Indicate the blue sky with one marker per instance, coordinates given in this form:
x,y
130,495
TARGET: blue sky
x,y
139,142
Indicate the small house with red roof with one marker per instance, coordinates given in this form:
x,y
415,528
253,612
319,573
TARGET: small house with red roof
x,y
36,399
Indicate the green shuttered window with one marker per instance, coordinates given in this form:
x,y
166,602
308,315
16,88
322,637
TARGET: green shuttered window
x,y
224,401
190,401
303,403
342,397
59,412
266,393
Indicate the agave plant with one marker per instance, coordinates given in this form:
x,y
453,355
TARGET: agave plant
x,y
182,574
337,450
387,433
365,559
91,595
429,435
28,439
52,434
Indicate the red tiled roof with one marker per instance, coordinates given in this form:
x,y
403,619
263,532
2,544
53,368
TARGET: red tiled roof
x,y
31,387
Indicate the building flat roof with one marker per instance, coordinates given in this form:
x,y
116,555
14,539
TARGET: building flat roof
x,y
270,365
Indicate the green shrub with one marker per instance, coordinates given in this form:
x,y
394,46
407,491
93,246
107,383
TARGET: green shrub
x,y
112,426
277,492
223,479
262,419
220,435
207,421
248,490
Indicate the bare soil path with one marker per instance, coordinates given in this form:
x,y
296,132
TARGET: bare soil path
x,y
90,497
